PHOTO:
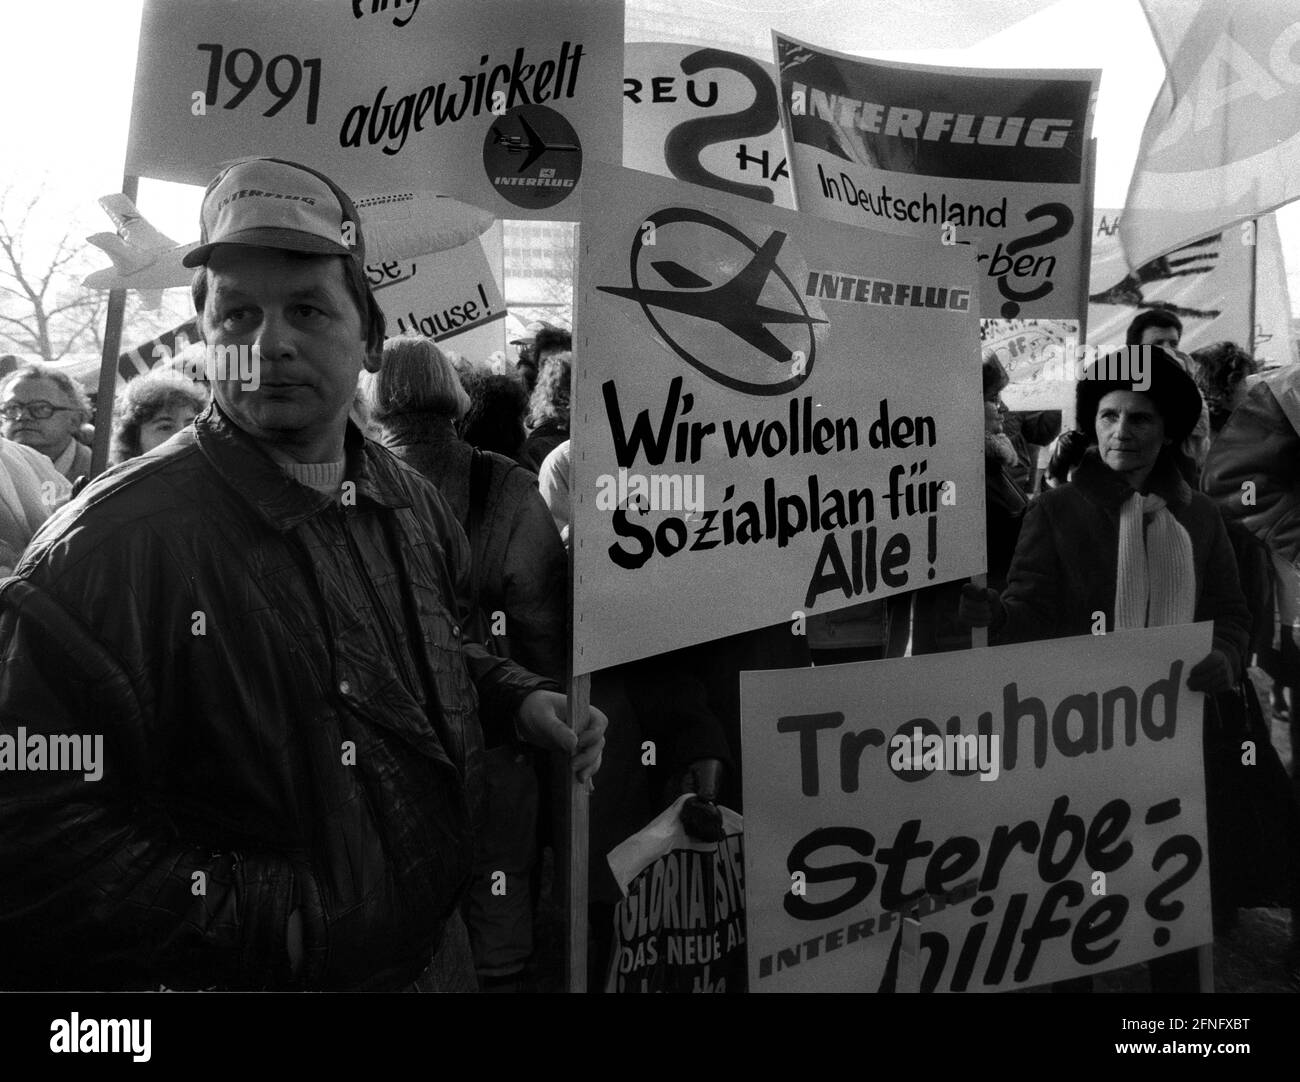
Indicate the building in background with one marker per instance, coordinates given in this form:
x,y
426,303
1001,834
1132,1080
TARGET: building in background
x,y
540,267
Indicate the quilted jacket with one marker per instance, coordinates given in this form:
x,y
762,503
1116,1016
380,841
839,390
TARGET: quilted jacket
x,y
288,721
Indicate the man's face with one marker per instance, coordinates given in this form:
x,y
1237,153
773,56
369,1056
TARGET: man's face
x,y
298,313
1160,336
51,435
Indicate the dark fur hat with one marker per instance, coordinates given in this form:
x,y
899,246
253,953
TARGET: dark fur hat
x,y
1150,370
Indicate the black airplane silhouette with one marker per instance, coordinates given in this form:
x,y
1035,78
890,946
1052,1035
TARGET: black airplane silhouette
x,y
733,305
529,143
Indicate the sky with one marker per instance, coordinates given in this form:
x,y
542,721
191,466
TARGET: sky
x,y
68,69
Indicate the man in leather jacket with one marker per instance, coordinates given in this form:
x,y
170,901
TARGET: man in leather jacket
x,y
240,731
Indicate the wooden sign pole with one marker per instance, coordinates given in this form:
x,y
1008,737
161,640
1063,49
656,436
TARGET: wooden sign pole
x,y
108,363
579,848
577,839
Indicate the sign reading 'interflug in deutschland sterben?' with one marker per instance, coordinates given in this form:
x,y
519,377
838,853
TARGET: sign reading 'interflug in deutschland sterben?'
x,y
773,417
964,156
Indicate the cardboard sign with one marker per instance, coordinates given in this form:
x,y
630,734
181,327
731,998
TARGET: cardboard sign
x,y
1036,355
495,103
991,158
774,416
452,297
680,925
706,116
1066,837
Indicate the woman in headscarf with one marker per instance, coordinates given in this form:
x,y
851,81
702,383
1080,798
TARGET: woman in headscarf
x,y
1127,538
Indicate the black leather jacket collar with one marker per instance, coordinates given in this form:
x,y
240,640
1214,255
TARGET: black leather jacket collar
x,y
277,498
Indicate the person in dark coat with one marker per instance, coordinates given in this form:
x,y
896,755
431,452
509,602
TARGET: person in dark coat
x,y
518,579
1067,563
935,628
1127,538
256,632
494,420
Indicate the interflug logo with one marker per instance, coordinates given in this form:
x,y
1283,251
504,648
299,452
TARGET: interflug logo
x,y
532,156
725,306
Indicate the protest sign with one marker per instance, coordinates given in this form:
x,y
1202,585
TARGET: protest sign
x,y
1036,354
774,415
452,297
139,360
1066,835
680,925
492,102
993,158
706,116
1206,284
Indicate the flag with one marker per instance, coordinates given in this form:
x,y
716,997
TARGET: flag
x,y
1222,142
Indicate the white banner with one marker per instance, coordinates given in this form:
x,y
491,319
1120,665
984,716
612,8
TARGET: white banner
x,y
1206,284
1222,141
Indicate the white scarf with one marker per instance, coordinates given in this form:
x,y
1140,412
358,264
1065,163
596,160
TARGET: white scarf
x,y
1155,580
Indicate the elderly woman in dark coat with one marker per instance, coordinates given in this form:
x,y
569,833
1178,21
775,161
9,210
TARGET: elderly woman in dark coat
x,y
519,574
1127,538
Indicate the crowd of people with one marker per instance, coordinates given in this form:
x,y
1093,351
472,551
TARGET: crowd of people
x,y
320,627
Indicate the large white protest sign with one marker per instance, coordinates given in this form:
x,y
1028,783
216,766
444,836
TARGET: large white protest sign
x,y
499,104
1072,841
775,416
707,116
996,159
453,297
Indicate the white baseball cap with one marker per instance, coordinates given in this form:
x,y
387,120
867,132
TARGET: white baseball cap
x,y
273,203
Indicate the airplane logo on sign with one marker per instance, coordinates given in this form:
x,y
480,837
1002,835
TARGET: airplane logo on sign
x,y
530,144
724,293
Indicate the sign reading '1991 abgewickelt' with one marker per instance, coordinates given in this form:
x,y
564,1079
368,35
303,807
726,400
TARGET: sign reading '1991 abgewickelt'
x,y
498,104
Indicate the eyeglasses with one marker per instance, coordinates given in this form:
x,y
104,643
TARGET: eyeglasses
x,y
39,410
